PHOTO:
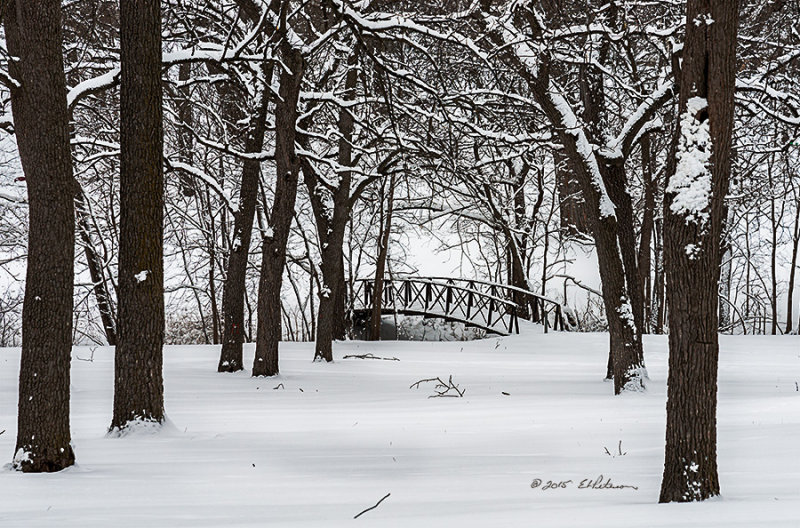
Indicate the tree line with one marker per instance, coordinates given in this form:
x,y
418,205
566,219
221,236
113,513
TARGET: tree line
x,y
659,133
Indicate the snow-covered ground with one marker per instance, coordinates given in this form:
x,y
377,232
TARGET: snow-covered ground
x,y
334,439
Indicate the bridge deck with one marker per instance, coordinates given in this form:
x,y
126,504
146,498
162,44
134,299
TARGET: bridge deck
x,y
495,308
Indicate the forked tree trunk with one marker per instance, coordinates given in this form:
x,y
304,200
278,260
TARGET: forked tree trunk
x,y
234,287
273,254
626,355
624,304
331,218
138,378
236,276
692,248
41,122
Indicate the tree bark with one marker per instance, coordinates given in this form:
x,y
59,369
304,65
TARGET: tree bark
x,y
692,250
380,264
139,387
646,236
659,302
273,254
236,277
41,121
793,268
95,264
331,226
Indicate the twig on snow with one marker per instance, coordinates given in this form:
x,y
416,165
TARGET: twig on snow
x,y
369,356
372,507
90,359
443,388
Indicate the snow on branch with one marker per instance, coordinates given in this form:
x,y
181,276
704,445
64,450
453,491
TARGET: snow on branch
x,y
205,178
201,53
570,123
620,146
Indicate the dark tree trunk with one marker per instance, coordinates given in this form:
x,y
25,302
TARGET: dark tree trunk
x,y
380,264
340,320
41,121
139,387
332,267
617,268
614,237
236,277
773,300
95,264
646,236
331,226
692,251
273,254
571,207
186,122
659,301
518,254
793,268
616,183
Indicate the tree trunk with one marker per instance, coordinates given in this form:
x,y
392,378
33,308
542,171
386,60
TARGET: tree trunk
x,y
793,268
615,235
380,264
273,254
236,277
692,248
41,121
616,182
340,320
774,222
646,236
659,302
139,387
331,225
184,138
519,240
626,344
95,264
571,206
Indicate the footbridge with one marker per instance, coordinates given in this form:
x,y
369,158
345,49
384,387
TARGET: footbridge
x,y
496,308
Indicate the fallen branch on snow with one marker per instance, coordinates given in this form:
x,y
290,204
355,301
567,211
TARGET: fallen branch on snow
x,y
444,389
372,507
369,356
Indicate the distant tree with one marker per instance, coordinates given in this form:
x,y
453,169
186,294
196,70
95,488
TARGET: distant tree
x,y
41,122
694,211
138,380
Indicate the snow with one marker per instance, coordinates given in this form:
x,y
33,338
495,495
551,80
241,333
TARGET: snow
x,y
142,276
585,150
626,313
260,452
691,183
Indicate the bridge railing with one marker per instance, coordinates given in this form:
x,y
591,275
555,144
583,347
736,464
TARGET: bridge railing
x,y
493,307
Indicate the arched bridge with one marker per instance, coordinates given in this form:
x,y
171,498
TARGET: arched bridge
x,y
496,308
